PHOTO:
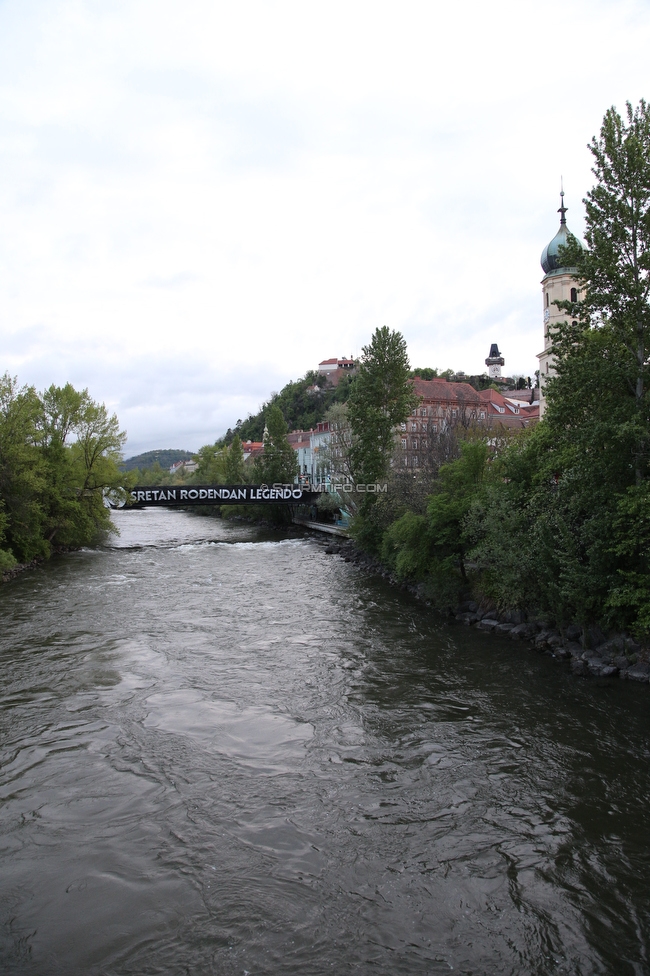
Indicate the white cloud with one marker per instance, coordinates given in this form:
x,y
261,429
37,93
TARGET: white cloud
x,y
201,201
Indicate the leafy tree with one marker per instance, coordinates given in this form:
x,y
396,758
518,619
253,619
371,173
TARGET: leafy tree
x,y
381,400
598,418
22,470
278,464
615,274
212,465
234,463
59,454
425,373
433,547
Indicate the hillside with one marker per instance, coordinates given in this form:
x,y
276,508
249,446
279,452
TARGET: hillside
x,y
303,403
165,459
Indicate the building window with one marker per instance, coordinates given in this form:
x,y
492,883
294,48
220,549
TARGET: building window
x,y
424,444
402,426
423,412
481,415
404,443
574,294
414,445
547,299
454,413
434,428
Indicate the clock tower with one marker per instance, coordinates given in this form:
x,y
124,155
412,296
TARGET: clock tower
x,y
558,285
494,362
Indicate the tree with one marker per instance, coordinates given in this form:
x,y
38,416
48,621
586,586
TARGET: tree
x,y
382,398
434,546
234,463
615,274
598,415
22,471
212,465
59,453
278,463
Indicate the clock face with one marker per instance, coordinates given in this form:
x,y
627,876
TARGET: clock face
x,y
547,314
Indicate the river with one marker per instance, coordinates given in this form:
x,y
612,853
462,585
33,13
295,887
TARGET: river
x,y
224,752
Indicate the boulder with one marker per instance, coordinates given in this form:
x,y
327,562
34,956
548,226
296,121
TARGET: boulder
x,y
487,624
608,671
523,631
639,672
579,668
574,649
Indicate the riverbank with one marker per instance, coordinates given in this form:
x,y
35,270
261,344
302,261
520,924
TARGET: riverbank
x,y
588,653
18,568
8,574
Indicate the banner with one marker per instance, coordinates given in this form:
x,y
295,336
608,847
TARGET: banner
x,y
146,495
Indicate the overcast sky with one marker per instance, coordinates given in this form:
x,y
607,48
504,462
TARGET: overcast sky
x,y
201,200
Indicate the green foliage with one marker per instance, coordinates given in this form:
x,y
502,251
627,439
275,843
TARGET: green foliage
x,y
433,547
212,465
424,374
278,464
155,475
163,458
59,454
615,274
381,400
630,543
234,463
303,404
23,471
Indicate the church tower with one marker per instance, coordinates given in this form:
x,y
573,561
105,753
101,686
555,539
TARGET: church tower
x,y
558,285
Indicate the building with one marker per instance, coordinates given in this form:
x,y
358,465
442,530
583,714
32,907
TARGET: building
x,y
252,449
301,442
446,404
335,369
442,404
558,285
184,467
504,410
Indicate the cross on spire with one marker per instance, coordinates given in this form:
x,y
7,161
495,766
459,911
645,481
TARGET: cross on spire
x,y
562,211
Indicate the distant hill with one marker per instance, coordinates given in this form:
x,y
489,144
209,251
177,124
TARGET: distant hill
x,y
164,458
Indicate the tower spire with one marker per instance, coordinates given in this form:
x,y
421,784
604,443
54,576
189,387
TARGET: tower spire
x,y
562,211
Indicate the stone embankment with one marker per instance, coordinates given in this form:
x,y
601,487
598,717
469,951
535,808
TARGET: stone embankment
x,y
589,652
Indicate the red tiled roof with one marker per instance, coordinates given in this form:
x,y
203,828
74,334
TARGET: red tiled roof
x,y
440,389
493,396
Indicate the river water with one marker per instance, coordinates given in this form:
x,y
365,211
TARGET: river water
x,y
229,753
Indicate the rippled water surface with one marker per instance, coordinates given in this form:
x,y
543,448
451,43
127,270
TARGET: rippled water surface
x,y
228,753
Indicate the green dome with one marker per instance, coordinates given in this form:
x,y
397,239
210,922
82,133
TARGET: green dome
x,y
551,254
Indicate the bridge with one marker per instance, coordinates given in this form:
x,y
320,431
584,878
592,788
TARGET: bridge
x,y
181,495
